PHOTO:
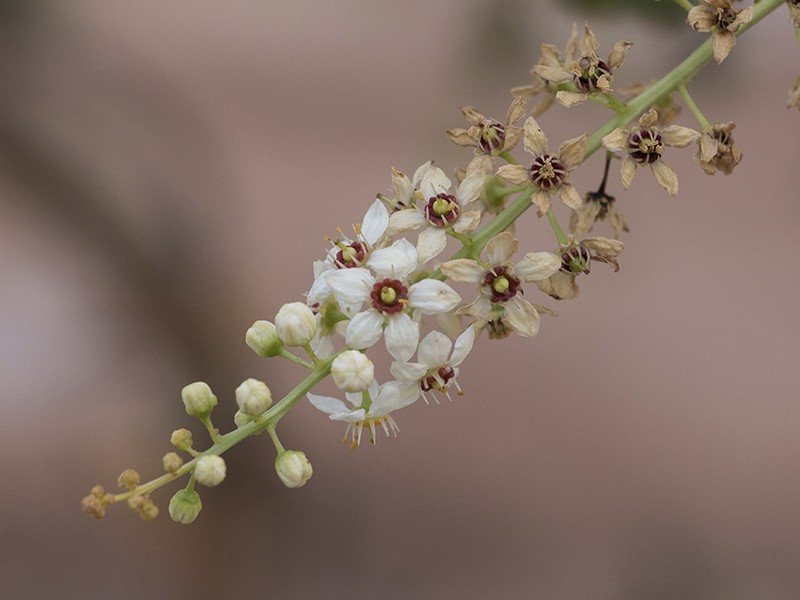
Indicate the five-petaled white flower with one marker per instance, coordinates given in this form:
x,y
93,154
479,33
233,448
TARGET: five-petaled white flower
x,y
368,409
392,300
437,367
500,283
442,210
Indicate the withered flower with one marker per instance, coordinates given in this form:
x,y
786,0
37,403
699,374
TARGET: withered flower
x,y
550,65
548,172
794,12
598,206
576,258
488,135
645,145
718,149
724,19
588,72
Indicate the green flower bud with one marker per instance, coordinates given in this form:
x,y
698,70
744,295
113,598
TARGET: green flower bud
x,y
210,470
181,439
184,506
198,399
172,462
263,339
253,397
296,324
293,468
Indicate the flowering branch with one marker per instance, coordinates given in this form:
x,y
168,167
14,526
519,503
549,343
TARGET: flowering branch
x,y
377,285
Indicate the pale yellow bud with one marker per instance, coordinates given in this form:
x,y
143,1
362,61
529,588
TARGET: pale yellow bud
x,y
198,399
293,468
210,470
262,337
296,324
352,371
253,397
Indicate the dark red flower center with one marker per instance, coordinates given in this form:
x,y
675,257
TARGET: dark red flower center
x,y
351,256
445,374
591,72
501,284
575,259
493,136
442,210
645,145
547,171
389,296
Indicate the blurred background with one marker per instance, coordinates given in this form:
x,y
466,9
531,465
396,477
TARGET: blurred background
x,y
168,172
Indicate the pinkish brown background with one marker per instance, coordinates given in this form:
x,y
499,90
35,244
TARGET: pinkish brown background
x,y
168,171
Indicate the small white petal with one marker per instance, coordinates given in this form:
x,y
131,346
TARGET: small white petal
x,y
522,317
364,329
500,248
398,260
467,221
434,349
406,220
351,287
433,182
402,336
393,396
463,270
432,241
463,346
535,266
327,404
405,371
375,222
432,297
471,188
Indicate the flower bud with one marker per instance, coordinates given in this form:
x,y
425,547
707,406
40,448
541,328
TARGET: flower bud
x,y
210,470
184,506
296,324
293,468
128,479
352,371
198,399
172,462
181,439
253,397
262,338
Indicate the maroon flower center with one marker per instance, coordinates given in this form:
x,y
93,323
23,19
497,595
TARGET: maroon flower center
x,y
501,284
445,374
389,296
547,171
351,256
591,72
493,136
575,259
645,146
442,210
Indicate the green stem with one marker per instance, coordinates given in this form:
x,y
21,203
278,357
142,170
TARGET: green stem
x,y
562,239
694,108
506,156
295,359
274,435
684,4
227,441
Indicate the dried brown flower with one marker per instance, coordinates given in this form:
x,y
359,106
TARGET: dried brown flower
x,y
725,21
488,135
718,149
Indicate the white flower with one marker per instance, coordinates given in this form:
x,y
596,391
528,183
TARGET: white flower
x,y
368,409
437,367
352,371
391,300
500,283
442,210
